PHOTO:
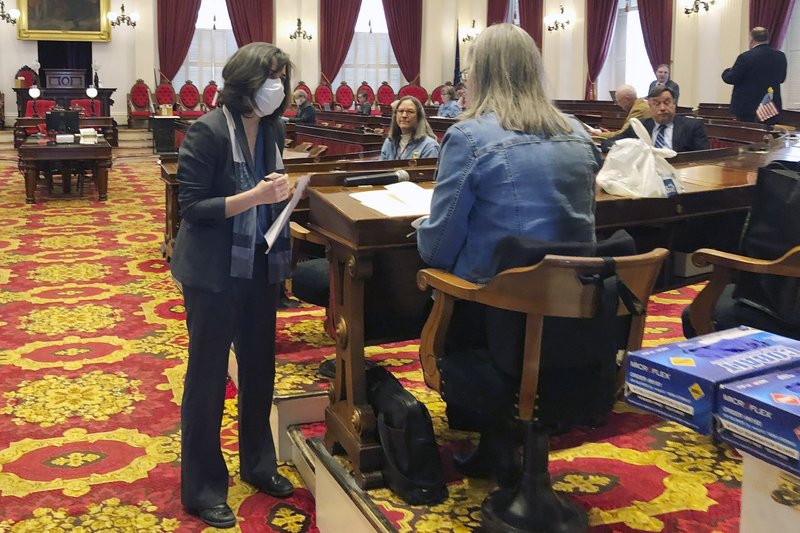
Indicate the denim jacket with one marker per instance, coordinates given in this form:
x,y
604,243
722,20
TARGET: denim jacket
x,y
417,149
450,109
492,183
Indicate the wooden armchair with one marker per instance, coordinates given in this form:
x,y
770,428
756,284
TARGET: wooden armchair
x,y
140,104
726,265
558,286
189,101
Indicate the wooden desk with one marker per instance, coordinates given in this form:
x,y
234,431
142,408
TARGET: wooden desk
x,y
374,263
107,125
172,219
164,133
37,154
338,140
63,96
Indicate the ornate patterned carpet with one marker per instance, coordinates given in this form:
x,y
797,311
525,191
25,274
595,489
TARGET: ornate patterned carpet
x,y
92,356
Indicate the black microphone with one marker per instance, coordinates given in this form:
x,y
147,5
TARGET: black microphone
x,y
382,178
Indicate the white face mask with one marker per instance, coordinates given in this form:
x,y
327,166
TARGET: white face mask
x,y
269,97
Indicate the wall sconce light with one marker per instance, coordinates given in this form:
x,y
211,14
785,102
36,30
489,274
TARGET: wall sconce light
x,y
300,33
9,16
470,33
34,92
122,18
696,5
557,22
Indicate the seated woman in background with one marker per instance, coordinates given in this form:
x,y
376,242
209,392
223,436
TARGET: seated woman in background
x,y
306,114
513,166
449,107
410,135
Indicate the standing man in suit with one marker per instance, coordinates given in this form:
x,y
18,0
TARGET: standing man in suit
x,y
663,78
668,130
753,73
625,97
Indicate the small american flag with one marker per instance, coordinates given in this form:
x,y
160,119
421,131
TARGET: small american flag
x,y
766,109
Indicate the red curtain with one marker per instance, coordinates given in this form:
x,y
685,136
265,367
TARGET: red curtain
x,y
601,15
176,22
252,20
773,15
404,20
495,11
337,21
531,14
656,19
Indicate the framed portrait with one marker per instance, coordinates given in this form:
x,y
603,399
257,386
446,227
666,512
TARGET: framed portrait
x,y
64,20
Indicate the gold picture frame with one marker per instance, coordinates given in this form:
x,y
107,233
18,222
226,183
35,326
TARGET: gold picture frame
x,y
64,20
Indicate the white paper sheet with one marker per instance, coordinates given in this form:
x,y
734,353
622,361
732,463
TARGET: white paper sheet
x,y
272,233
398,199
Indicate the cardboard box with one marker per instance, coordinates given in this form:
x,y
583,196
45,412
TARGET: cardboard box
x,y
761,415
679,380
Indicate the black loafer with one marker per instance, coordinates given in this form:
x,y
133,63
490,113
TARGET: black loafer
x,y
220,516
277,486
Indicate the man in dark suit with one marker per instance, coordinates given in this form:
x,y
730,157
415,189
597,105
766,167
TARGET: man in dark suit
x,y
753,73
668,130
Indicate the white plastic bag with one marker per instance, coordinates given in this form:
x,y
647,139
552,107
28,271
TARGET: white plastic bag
x,y
634,168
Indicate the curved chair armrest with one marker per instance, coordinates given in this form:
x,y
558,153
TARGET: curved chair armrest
x,y
433,278
449,287
786,265
725,264
301,233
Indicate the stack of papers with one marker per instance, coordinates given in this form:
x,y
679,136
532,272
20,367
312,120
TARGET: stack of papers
x,y
398,199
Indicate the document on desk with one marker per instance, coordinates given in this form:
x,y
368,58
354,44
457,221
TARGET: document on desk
x,y
398,199
272,233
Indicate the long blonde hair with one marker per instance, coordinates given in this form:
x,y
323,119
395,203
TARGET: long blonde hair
x,y
505,76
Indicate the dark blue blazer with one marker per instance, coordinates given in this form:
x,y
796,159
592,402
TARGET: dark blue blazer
x,y
751,75
688,134
306,114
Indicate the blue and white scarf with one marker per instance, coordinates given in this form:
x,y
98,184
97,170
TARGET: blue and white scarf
x,y
245,224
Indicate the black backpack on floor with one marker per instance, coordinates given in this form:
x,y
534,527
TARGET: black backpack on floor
x,y
412,467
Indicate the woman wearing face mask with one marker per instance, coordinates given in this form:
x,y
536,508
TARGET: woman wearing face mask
x,y
305,109
231,189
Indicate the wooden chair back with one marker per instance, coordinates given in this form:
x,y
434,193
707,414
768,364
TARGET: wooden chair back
x,y
551,288
210,96
385,94
189,101
165,93
344,96
365,88
417,91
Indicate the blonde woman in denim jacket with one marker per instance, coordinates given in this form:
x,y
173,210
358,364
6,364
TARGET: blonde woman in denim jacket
x,y
513,166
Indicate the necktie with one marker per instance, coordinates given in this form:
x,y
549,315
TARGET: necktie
x,y
660,142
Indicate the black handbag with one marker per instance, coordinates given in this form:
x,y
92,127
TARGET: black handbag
x,y
412,467
772,229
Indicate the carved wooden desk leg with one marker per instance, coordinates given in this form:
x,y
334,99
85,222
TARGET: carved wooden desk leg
x,y
101,179
350,419
29,169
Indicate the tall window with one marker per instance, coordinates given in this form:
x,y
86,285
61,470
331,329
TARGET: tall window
x,y
627,60
370,57
790,90
213,43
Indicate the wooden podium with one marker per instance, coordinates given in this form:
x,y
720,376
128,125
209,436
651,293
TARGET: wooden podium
x,y
374,262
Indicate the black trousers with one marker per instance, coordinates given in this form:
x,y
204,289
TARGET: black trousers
x,y
244,315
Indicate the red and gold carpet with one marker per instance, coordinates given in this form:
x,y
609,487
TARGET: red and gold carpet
x,y
92,357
